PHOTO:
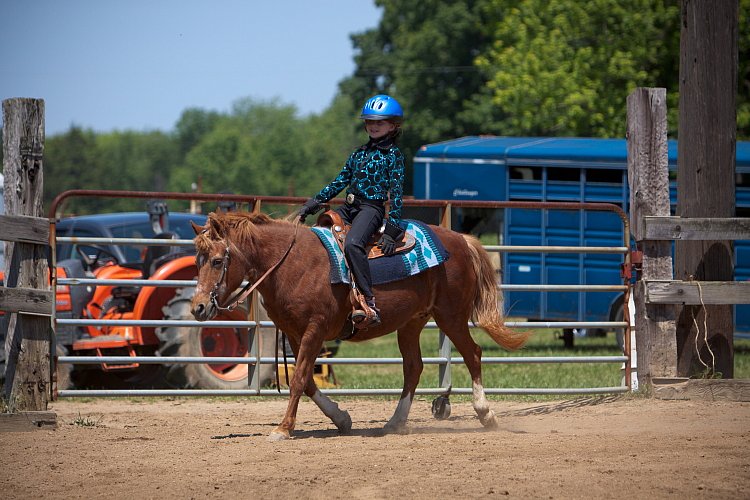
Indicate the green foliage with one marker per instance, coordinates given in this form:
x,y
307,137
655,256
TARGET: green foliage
x,y
506,67
536,375
81,159
422,53
193,125
542,375
86,421
743,89
564,67
263,148
259,148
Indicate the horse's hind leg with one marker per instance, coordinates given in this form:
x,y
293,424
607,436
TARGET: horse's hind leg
x,y
458,332
330,409
408,344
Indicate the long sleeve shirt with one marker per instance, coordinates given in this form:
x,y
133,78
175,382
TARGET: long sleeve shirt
x,y
372,173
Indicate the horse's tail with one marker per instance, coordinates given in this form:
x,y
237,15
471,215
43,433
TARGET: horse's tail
x,y
488,303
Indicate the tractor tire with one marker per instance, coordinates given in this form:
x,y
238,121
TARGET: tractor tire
x,y
197,341
64,370
618,314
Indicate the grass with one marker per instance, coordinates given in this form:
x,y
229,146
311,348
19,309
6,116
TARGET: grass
x,y
86,421
542,343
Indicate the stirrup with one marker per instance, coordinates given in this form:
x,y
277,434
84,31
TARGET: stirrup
x,y
365,318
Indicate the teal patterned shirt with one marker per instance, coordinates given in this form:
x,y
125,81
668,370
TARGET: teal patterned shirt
x,y
371,172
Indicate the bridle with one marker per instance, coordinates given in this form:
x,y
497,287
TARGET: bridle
x,y
248,288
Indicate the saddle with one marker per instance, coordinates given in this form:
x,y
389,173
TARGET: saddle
x,y
362,315
332,219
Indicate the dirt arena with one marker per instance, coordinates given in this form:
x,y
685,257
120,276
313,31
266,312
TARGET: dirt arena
x,y
599,447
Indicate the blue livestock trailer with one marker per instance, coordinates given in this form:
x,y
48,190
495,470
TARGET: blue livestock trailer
x,y
566,169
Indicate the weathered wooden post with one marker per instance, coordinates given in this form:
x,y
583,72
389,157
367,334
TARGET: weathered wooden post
x,y
648,178
705,177
28,336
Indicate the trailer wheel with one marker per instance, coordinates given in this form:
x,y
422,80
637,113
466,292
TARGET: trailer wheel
x,y
208,341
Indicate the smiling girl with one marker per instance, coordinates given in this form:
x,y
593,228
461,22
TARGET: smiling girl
x,y
373,174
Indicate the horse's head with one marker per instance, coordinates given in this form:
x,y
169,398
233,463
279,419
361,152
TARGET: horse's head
x,y
221,268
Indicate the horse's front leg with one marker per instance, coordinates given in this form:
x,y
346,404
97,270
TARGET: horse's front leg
x,y
408,344
305,355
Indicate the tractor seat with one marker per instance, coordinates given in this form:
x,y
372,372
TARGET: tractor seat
x,y
154,254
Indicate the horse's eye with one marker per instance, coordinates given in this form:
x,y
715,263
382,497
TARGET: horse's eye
x,y
217,262
200,260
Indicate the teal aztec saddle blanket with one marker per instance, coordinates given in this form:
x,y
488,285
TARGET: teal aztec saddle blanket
x,y
428,252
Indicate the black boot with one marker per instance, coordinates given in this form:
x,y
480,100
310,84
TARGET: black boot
x,y
371,304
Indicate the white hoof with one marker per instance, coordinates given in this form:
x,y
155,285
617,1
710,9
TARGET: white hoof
x,y
277,436
489,420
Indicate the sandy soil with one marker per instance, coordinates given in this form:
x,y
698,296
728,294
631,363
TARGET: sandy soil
x,y
185,448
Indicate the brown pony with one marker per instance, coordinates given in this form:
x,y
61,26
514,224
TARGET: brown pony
x,y
301,301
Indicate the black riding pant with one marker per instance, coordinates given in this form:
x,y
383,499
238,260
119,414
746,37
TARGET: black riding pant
x,y
365,219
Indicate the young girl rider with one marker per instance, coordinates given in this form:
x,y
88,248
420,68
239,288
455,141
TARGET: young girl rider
x,y
373,173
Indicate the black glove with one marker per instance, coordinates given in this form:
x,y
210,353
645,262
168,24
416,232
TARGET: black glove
x,y
392,236
310,207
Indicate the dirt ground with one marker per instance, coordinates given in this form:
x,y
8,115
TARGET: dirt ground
x,y
600,447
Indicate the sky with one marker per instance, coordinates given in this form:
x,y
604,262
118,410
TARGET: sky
x,y
138,64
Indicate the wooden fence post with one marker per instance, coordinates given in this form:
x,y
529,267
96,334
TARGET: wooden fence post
x,y
648,178
706,175
27,342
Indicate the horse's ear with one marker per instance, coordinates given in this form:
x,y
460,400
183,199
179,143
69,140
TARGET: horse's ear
x,y
198,229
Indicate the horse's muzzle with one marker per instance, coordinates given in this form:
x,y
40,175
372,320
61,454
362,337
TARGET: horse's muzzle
x,y
204,312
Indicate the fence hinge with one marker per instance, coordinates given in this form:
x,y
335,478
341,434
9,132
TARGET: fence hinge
x,y
636,263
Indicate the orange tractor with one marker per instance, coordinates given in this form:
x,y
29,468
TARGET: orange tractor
x,y
139,301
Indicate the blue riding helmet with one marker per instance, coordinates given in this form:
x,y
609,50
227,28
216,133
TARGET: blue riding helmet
x,y
382,107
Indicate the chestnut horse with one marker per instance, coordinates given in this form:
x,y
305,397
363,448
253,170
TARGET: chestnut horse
x,y
302,302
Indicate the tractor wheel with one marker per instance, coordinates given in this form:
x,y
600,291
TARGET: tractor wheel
x,y
64,370
618,314
197,341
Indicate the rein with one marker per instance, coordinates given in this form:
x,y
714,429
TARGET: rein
x,y
248,288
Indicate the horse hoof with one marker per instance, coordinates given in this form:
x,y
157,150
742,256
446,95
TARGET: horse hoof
x,y
345,426
489,420
277,436
395,428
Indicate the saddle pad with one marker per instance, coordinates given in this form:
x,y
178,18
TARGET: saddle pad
x,y
428,252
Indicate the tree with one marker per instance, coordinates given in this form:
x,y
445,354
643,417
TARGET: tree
x,y
193,125
743,89
328,140
69,163
143,162
563,67
82,159
263,148
422,53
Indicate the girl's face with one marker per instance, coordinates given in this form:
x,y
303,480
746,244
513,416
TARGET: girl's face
x,y
377,129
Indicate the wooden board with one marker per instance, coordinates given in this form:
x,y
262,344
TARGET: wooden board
x,y
27,421
696,228
702,389
26,300
24,229
697,293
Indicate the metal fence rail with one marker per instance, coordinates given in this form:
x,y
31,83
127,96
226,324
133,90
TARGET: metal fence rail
x,y
72,393
445,360
192,283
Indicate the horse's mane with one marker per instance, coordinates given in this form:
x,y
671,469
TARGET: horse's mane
x,y
239,224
